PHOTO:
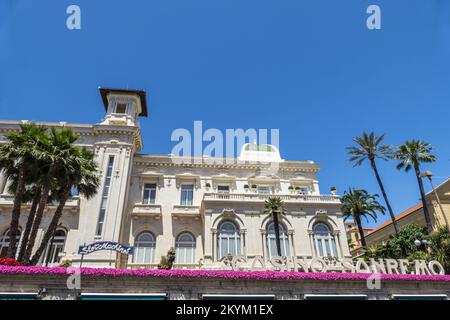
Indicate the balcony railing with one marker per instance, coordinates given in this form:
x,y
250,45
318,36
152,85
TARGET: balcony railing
x,y
180,211
254,197
146,210
72,204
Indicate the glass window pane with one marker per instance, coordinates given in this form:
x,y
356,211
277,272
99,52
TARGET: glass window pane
x,y
320,249
223,189
105,195
333,244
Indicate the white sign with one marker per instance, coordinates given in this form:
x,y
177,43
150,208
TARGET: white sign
x,y
317,264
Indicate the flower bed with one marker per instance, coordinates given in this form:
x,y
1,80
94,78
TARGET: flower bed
x,y
210,274
9,262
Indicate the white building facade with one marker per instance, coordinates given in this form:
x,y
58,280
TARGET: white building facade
x,y
205,208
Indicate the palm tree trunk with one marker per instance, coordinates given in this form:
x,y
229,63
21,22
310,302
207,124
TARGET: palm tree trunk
x,y
424,202
29,225
36,224
52,227
276,226
14,226
361,231
388,204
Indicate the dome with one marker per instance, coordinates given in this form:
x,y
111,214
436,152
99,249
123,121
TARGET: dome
x,y
260,152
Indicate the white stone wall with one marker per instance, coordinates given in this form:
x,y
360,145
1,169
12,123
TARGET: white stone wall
x,y
126,217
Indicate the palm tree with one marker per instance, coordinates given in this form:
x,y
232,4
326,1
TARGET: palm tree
x,y
411,154
58,151
357,204
274,207
370,148
18,159
79,172
374,251
35,194
440,242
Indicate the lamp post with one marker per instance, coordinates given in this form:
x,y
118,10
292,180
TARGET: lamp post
x,y
429,174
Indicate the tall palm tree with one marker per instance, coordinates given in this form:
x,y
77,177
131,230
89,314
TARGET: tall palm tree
x,y
58,150
18,159
369,147
35,195
440,243
274,207
359,203
411,154
79,172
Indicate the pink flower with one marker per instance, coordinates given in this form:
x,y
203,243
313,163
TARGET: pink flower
x,y
212,274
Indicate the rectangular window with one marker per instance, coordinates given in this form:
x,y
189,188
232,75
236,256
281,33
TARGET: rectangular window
x,y
264,190
149,193
224,192
105,195
223,189
187,194
121,108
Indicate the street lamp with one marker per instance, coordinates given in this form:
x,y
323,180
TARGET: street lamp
x,y
429,174
418,242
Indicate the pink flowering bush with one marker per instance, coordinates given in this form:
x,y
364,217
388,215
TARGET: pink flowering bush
x,y
212,274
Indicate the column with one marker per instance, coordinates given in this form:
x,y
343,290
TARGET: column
x,y
337,235
242,233
264,243
290,235
311,243
214,244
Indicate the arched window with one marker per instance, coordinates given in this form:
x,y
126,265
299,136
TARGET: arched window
x,y
144,248
55,247
272,243
229,240
4,242
185,248
324,242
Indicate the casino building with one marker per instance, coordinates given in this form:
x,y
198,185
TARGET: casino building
x,y
205,208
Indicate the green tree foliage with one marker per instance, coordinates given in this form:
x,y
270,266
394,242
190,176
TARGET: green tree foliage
x,y
414,243
274,207
359,204
369,147
44,165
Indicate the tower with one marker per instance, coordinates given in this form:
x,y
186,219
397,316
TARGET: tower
x,y
116,139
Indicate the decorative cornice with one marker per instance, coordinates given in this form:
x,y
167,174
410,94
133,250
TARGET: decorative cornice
x,y
220,166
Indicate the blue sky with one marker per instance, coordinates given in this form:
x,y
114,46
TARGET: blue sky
x,y
310,68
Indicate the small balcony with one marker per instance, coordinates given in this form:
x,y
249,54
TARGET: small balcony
x,y
254,197
146,210
71,205
184,211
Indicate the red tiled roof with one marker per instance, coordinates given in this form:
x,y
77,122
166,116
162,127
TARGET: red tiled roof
x,y
398,217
